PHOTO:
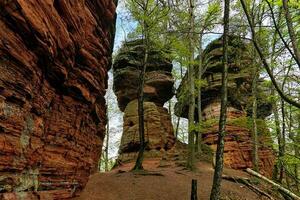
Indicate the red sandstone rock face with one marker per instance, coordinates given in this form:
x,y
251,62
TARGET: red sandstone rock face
x,y
238,142
158,131
54,56
158,89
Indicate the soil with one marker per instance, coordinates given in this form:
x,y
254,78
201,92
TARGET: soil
x,y
164,181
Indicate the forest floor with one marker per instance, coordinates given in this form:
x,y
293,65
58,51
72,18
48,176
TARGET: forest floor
x,y
165,181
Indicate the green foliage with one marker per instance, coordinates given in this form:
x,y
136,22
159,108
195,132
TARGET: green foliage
x,y
200,83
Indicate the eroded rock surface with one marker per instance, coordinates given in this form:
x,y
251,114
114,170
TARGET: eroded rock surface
x,y
54,57
158,89
238,145
158,130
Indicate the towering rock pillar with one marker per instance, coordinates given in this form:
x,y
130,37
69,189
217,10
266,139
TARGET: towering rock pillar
x,y
54,57
158,89
238,140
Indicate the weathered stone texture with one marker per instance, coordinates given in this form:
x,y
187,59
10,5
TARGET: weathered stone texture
x,y
158,89
158,129
238,149
54,57
238,142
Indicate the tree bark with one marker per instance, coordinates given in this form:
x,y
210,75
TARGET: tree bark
x,y
199,107
291,30
254,117
140,158
107,142
286,191
139,161
191,121
264,61
280,34
177,127
278,133
216,187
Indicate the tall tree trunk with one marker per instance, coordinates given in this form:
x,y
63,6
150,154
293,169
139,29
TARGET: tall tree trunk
x,y
170,110
297,152
177,127
283,132
278,133
257,18
199,107
107,142
291,31
282,149
254,117
140,158
264,60
216,187
274,102
139,161
191,121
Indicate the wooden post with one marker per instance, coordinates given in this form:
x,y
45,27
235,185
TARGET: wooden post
x,y
194,190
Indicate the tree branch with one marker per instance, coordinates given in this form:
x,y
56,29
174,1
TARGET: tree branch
x,y
264,61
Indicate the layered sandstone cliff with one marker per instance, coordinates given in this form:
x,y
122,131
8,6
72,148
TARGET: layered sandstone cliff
x,y
238,142
158,89
54,57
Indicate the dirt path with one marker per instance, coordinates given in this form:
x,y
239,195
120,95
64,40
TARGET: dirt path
x,y
167,183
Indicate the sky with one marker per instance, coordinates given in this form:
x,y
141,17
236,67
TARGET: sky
x,y
114,114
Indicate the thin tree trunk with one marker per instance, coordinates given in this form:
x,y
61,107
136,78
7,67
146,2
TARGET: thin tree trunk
x,y
282,149
191,121
278,133
107,142
291,30
283,132
177,127
170,110
256,70
140,158
254,124
139,161
273,102
280,34
216,187
297,153
264,61
199,107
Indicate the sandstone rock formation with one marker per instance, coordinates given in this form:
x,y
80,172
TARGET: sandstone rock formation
x,y
238,145
158,89
54,57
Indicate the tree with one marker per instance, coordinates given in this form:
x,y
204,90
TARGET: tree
x,y
148,14
291,31
264,60
216,187
207,22
142,5
191,81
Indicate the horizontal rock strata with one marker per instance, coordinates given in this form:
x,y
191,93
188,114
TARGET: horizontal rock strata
x,y
158,89
54,57
238,142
